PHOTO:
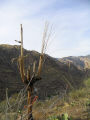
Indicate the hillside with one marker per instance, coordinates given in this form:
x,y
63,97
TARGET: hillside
x,y
81,62
56,75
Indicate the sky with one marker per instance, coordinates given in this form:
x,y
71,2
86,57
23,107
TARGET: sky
x,y
70,20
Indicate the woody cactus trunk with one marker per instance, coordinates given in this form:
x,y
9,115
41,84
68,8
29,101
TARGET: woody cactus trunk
x,y
29,79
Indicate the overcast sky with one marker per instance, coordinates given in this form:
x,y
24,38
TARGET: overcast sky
x,y
70,19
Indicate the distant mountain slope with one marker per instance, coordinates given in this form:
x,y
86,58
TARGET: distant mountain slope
x,y
82,62
55,74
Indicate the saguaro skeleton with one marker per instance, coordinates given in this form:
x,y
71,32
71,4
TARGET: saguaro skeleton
x,y
29,79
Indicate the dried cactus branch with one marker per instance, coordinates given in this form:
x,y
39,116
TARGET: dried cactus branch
x,y
46,37
21,59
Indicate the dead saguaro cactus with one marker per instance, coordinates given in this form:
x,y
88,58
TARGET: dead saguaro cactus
x,y
29,79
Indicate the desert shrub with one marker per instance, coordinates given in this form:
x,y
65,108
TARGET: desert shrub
x,y
77,94
62,117
10,116
54,118
2,106
73,103
82,92
87,83
88,108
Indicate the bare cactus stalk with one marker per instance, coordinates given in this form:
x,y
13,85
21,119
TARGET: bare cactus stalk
x,y
6,117
44,44
21,58
34,67
29,80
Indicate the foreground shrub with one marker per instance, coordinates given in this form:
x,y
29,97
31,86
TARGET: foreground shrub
x,y
62,117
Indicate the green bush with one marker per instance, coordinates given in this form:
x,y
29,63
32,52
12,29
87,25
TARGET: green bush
x,y
62,117
88,103
77,94
87,83
88,109
54,118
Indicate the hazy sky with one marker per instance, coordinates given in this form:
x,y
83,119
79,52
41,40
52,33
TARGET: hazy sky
x,y
70,19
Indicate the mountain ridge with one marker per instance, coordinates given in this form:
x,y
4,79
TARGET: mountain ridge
x,y
55,74
82,62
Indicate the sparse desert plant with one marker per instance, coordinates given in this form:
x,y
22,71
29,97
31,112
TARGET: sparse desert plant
x,y
87,83
88,109
62,117
73,103
2,106
54,118
78,93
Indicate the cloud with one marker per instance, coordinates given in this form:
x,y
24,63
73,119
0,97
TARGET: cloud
x,y
70,19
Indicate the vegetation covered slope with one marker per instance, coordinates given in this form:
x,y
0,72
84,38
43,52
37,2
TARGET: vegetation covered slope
x,y
82,62
56,76
75,104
